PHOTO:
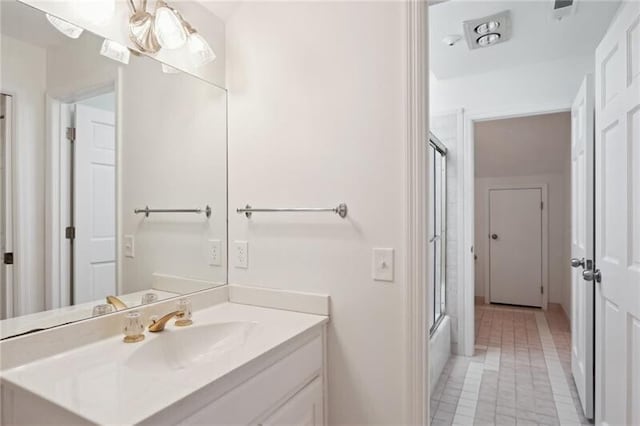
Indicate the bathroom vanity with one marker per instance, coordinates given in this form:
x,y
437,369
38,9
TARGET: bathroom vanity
x,y
237,364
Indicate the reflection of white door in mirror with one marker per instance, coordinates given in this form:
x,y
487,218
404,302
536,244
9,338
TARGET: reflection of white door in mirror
x,y
94,206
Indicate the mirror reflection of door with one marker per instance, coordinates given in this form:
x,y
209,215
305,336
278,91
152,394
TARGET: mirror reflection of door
x,y
94,199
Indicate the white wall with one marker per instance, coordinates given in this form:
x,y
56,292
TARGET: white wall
x,y
317,117
23,75
514,142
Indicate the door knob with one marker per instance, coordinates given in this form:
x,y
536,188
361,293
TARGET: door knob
x,y
494,236
575,262
591,275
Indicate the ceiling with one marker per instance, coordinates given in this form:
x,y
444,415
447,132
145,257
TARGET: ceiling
x,y
537,37
29,25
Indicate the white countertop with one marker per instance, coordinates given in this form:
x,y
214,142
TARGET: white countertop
x,y
96,383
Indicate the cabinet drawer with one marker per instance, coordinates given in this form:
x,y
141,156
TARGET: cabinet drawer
x,y
265,391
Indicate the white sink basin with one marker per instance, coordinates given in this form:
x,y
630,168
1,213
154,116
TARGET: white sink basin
x,y
182,348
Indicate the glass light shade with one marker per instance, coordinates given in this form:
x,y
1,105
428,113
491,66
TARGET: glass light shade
x,y
169,29
201,52
70,30
97,12
116,51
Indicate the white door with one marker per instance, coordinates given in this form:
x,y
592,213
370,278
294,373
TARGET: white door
x,y
94,205
582,244
303,409
617,215
515,246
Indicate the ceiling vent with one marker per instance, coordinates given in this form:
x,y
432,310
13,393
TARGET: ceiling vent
x,y
487,31
562,9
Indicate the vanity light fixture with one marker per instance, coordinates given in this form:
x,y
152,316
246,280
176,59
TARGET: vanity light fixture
x,y
141,31
168,26
114,50
66,28
166,29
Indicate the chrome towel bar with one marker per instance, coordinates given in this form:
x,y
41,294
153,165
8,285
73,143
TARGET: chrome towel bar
x,y
341,210
147,210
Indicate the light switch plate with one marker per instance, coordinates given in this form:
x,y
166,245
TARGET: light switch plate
x,y
129,246
383,264
214,252
241,254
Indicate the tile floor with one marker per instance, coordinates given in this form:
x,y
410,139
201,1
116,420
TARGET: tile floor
x,y
520,374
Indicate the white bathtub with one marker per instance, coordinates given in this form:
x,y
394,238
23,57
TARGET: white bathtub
x,y
439,351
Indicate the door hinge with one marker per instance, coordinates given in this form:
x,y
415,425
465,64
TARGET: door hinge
x,y
541,290
541,205
8,259
70,232
71,134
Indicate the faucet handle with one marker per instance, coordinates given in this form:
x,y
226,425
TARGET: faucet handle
x,y
184,317
133,328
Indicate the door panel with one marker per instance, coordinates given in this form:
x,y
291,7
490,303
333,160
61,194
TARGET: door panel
x,y
515,247
95,209
617,220
582,244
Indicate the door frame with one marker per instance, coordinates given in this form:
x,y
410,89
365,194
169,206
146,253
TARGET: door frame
x,y
545,237
57,291
466,268
11,195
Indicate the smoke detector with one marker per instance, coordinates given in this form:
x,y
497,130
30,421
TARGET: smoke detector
x,y
487,31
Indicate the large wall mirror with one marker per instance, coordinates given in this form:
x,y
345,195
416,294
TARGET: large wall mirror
x,y
113,180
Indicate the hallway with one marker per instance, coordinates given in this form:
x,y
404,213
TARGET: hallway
x,y
520,374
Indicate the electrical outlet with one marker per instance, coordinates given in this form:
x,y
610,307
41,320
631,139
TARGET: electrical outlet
x,y
242,254
214,252
383,264
129,246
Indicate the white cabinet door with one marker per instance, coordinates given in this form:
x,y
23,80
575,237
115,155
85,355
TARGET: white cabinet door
x,y
515,246
95,204
618,220
303,409
582,244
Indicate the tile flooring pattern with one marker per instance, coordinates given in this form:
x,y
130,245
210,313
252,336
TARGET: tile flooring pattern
x,y
520,374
